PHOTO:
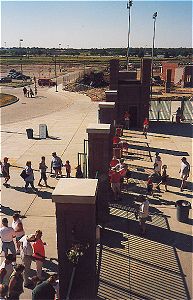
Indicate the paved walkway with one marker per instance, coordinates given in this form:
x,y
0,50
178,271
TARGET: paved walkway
x,y
67,130
158,266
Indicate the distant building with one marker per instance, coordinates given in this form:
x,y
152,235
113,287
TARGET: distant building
x,y
179,74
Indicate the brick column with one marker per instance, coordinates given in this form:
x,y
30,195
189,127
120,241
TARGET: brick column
x,y
75,201
111,95
106,113
99,148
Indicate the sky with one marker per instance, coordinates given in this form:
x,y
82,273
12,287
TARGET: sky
x,y
95,24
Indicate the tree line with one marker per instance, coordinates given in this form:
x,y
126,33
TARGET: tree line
x,y
138,52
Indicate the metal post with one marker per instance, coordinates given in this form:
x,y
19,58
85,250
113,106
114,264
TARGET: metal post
x,y
129,4
152,54
56,74
59,57
21,40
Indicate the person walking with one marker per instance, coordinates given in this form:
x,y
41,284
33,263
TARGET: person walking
x,y
16,283
39,252
164,178
56,164
5,171
7,234
43,168
31,93
143,214
184,172
115,180
158,165
26,256
127,119
25,91
145,127
6,269
45,290
29,180
150,185
17,226
68,168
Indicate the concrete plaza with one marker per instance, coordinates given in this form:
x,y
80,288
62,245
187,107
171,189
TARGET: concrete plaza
x,y
157,266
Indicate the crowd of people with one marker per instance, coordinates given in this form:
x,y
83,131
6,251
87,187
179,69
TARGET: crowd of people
x,y
14,277
28,92
119,173
27,173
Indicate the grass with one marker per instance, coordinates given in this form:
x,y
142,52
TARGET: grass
x,y
76,59
6,99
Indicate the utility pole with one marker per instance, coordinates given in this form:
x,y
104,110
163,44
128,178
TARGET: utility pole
x,y
56,74
129,4
153,46
21,40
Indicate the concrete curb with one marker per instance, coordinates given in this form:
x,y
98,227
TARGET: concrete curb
x,y
16,100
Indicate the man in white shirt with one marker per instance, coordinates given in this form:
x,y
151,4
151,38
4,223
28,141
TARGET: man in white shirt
x,y
7,234
143,214
26,256
19,231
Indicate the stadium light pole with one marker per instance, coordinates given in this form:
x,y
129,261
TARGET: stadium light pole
x,y
153,46
55,73
59,56
21,40
129,4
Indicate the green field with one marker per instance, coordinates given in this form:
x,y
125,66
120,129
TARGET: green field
x,y
80,59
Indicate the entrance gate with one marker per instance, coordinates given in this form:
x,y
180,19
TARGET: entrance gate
x,y
160,110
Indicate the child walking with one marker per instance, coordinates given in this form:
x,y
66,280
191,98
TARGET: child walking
x,y
149,185
68,168
42,168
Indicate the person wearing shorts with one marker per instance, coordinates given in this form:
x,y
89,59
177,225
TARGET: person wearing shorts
x,y
43,168
56,165
19,231
7,234
184,172
143,214
5,171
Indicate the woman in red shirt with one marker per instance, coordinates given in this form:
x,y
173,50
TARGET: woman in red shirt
x,y
145,126
39,252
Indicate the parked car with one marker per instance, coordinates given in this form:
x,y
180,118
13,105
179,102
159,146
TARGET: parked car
x,y
46,82
5,80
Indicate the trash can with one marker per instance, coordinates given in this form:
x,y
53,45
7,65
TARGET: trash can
x,y
183,208
29,133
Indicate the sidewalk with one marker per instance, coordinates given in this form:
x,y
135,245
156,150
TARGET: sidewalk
x,y
67,129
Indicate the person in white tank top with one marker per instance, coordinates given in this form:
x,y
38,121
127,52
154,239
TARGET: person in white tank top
x,y
19,231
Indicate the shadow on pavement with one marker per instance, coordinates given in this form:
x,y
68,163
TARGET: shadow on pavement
x,y
168,128
139,267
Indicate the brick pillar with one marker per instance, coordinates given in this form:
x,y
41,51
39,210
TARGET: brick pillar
x,y
145,90
114,74
75,201
106,113
111,95
168,80
99,148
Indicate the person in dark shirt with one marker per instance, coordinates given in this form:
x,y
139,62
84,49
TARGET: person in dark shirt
x,y
45,290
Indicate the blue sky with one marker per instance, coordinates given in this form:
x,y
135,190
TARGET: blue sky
x,y
90,24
